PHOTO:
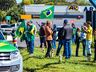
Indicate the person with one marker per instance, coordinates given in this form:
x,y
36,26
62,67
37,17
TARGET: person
x,y
74,32
30,36
68,38
78,33
42,36
48,33
54,36
83,38
61,39
14,38
95,45
88,40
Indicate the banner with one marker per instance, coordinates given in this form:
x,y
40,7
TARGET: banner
x,y
26,17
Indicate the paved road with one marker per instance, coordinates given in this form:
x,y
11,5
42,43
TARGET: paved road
x,y
23,44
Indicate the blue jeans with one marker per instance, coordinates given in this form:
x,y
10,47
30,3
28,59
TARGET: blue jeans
x,y
60,44
30,46
88,47
73,38
84,46
67,48
54,44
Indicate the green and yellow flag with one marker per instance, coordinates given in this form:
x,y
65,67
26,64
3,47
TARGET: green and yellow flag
x,y
47,13
21,30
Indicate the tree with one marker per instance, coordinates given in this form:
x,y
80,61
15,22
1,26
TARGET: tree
x,y
7,4
28,2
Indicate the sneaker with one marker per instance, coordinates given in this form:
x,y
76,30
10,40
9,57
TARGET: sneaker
x,y
31,55
89,58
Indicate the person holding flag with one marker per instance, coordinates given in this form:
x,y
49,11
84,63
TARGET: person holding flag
x,y
48,33
48,13
27,32
30,36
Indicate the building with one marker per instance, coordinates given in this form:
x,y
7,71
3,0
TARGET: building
x,y
60,13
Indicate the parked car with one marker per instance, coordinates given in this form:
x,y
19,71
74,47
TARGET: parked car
x,y
10,57
6,28
14,26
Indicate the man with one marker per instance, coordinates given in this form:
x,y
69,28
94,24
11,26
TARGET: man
x,y
88,40
42,35
30,36
68,38
48,32
61,38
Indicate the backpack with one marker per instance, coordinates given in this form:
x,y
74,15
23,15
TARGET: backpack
x,y
61,33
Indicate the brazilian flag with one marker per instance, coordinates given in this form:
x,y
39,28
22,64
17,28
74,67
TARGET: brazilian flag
x,y
20,32
47,13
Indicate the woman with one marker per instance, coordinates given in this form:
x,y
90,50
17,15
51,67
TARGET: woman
x,y
78,33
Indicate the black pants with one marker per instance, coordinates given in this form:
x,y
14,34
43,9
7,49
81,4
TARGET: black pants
x,y
77,46
42,41
49,42
95,50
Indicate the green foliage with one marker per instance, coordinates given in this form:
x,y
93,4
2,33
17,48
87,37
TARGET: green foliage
x,y
2,14
28,2
7,4
10,9
59,2
82,2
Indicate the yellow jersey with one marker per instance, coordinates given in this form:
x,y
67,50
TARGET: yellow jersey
x,y
89,33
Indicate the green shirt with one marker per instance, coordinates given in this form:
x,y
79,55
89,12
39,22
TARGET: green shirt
x,y
74,31
31,32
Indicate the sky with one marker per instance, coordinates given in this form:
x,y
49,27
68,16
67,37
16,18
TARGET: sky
x,y
18,1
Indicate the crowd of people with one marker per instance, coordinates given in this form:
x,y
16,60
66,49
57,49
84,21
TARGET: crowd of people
x,y
67,35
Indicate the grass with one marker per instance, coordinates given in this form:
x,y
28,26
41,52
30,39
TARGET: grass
x,y
38,63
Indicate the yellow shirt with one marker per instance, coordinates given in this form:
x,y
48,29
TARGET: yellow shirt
x,y
89,33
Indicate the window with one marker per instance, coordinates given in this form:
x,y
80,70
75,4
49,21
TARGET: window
x,y
5,26
1,36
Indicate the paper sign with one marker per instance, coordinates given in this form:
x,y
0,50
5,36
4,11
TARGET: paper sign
x,y
26,17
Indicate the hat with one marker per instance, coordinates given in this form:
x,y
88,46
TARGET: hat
x,y
65,21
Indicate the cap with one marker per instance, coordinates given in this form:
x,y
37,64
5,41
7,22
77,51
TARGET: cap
x,y
65,21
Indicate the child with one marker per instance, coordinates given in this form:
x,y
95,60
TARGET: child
x,y
77,40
